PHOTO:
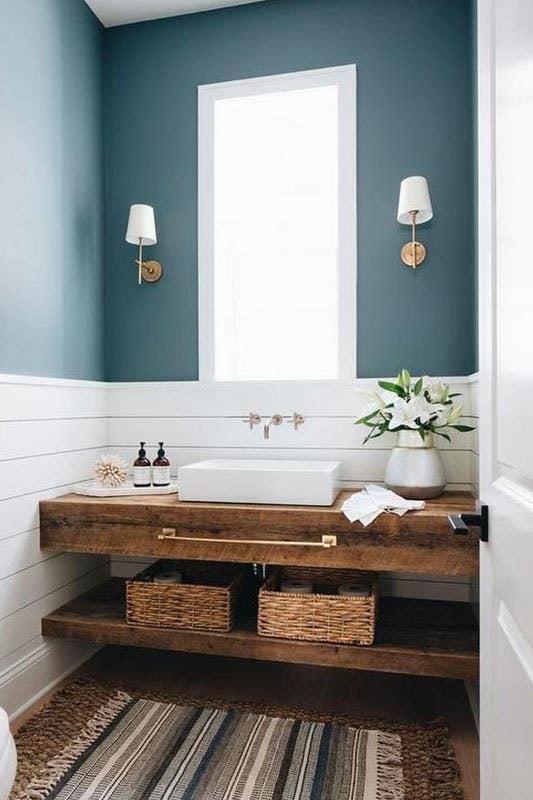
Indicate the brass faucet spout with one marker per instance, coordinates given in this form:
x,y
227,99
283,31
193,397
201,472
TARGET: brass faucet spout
x,y
276,419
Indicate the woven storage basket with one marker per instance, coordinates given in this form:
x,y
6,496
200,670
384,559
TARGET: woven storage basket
x,y
205,601
323,616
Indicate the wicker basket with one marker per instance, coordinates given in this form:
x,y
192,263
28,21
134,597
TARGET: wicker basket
x,y
204,601
323,616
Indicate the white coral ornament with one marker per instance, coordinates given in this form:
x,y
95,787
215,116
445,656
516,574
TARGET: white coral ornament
x,y
111,470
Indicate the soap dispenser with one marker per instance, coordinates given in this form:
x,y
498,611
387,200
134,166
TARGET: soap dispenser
x,y
161,467
141,469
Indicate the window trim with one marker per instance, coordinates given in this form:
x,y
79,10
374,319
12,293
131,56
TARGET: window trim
x,y
345,78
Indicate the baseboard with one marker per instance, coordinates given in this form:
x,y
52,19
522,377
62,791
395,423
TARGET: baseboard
x,y
32,676
472,691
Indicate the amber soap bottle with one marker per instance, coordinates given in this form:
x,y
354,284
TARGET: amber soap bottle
x,y
161,468
141,469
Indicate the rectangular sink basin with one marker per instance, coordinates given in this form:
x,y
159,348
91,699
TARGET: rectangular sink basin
x,y
226,480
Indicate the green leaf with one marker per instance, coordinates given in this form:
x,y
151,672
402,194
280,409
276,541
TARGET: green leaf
x,y
392,387
444,435
422,434
463,428
418,386
363,420
456,394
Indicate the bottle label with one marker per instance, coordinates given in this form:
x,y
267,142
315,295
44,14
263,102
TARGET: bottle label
x,y
161,476
141,476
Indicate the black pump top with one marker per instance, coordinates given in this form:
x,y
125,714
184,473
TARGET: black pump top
x,y
142,451
161,452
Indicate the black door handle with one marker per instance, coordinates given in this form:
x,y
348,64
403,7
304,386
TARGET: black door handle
x,y
462,522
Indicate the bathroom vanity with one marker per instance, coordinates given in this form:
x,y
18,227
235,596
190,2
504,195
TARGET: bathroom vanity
x,y
413,636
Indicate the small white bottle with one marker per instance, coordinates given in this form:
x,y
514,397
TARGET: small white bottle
x,y
142,471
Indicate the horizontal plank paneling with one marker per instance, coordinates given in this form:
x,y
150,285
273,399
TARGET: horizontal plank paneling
x,y
316,432
20,552
51,432
39,473
21,514
24,588
194,399
57,400
20,439
20,627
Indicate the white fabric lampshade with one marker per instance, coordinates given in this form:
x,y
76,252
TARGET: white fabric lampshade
x,y
141,225
414,196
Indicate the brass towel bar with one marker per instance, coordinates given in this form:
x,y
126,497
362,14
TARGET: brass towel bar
x,y
170,533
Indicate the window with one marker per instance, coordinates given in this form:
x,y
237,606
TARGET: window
x,y
277,227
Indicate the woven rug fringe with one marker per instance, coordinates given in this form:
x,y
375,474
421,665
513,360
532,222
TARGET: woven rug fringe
x,y
389,767
43,783
446,781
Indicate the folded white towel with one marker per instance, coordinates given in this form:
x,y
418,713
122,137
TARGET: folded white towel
x,y
373,500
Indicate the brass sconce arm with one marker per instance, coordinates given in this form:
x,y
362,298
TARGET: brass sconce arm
x,y
149,271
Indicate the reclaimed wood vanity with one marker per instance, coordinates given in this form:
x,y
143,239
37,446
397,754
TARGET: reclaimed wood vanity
x,y
419,637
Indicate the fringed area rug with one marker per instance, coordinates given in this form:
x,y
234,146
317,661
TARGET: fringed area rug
x,y
99,743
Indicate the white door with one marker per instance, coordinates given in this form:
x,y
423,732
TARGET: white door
x,y
505,98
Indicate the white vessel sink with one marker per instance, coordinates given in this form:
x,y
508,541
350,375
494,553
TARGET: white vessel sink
x,y
309,483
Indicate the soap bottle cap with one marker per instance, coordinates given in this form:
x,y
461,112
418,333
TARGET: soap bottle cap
x,y
161,452
142,451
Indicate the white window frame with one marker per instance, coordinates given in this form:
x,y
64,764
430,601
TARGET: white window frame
x,y
344,77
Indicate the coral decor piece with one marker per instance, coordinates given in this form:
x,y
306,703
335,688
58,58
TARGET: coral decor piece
x,y
111,470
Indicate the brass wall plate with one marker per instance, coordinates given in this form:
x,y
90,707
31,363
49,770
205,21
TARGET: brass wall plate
x,y
151,271
407,254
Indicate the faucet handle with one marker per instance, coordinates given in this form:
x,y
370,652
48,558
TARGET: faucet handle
x,y
252,419
297,420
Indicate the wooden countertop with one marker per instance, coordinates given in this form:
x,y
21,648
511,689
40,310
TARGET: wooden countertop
x,y
420,541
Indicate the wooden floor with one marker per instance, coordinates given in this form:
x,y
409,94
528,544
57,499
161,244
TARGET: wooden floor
x,y
324,689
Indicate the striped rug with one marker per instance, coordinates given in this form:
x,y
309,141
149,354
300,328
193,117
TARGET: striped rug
x,y
139,749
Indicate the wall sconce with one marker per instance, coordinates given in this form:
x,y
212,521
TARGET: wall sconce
x,y
414,206
141,231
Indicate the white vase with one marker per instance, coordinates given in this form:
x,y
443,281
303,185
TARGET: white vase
x,y
415,469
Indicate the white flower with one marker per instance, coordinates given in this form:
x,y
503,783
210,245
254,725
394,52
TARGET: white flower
x,y
438,392
375,401
407,412
440,415
454,414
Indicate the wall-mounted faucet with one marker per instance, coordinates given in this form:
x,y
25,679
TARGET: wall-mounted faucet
x,y
252,419
276,419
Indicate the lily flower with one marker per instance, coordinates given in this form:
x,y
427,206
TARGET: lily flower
x,y
410,413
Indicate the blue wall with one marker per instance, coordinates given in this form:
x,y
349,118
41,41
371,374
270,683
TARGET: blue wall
x,y
415,116
51,202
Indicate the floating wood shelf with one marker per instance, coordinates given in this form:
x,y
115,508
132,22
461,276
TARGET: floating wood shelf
x,y
419,541
417,637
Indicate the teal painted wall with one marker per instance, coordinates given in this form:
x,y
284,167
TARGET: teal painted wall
x,y
51,202
415,116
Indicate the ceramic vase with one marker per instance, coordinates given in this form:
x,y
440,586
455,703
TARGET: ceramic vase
x,y
415,469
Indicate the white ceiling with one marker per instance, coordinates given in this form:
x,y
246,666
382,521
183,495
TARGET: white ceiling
x,y
120,12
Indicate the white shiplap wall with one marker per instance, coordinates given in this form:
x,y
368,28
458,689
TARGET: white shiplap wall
x,y
199,421
51,431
